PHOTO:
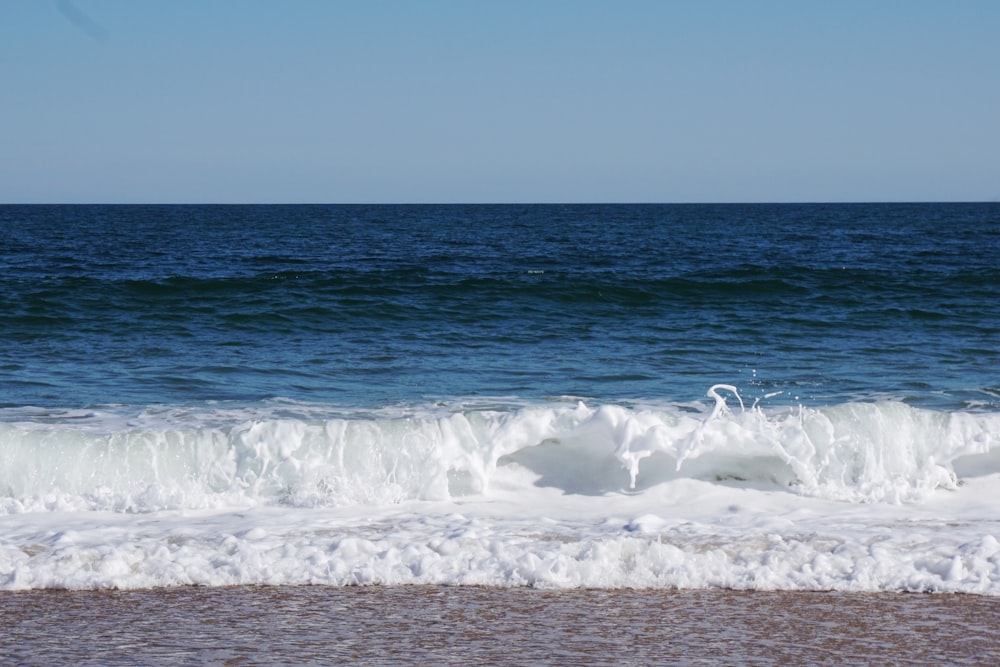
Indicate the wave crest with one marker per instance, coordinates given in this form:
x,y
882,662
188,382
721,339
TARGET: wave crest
x,y
854,452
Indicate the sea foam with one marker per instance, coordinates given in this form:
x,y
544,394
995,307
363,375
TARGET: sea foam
x,y
857,497
855,452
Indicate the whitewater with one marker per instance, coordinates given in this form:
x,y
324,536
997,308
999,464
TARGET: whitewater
x,y
858,496
754,397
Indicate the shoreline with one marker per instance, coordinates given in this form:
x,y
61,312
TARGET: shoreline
x,y
458,624
180,588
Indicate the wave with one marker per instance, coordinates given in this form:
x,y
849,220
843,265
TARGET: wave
x,y
299,455
534,277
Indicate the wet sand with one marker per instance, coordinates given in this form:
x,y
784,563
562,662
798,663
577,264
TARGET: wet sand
x,y
314,625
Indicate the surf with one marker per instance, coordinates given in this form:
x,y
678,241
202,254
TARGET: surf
x,y
215,457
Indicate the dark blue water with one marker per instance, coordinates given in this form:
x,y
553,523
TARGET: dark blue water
x,y
377,305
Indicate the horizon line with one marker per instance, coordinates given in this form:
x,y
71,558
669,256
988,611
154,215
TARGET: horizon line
x,y
509,203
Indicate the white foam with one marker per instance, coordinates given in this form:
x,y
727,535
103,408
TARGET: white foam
x,y
849,497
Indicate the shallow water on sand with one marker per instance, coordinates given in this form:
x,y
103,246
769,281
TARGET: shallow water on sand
x,y
462,625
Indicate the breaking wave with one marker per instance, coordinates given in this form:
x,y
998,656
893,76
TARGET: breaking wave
x,y
218,458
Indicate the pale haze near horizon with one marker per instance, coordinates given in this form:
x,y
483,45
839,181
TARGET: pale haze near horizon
x,y
115,101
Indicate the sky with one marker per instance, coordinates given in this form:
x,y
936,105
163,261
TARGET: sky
x,y
382,101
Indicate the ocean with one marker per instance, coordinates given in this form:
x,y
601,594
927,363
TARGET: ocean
x,y
646,398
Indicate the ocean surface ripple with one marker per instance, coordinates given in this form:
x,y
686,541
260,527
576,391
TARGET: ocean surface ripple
x,y
766,397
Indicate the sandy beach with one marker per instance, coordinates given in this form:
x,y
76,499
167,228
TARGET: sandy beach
x,y
312,625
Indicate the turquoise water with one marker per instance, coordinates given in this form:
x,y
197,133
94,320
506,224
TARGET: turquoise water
x,y
368,306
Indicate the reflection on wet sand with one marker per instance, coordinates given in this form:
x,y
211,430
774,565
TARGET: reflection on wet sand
x,y
462,625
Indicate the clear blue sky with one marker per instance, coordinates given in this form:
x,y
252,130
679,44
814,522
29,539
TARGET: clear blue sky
x,y
503,101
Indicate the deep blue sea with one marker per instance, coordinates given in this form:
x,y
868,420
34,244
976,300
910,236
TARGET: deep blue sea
x,y
367,306
776,397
